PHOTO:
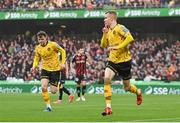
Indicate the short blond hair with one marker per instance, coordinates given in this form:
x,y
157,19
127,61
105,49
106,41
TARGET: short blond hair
x,y
112,13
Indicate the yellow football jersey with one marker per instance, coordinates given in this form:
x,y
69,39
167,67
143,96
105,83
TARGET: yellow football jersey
x,y
49,56
115,37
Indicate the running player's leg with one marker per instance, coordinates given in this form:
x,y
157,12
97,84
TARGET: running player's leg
x,y
60,91
133,89
54,81
60,94
125,72
83,83
45,94
60,87
109,74
62,82
44,87
65,90
78,88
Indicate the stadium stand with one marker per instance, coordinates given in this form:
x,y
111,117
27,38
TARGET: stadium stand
x,y
153,58
85,4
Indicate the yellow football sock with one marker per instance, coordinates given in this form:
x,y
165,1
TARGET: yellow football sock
x,y
107,90
46,97
107,94
133,89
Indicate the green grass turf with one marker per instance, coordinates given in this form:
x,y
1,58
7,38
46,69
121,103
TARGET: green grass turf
x,y
29,107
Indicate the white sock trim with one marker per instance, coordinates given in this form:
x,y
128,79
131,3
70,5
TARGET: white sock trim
x,y
108,105
48,105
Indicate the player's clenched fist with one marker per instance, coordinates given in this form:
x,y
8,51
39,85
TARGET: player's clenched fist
x,y
34,70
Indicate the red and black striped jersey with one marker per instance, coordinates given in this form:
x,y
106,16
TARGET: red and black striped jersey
x,y
80,64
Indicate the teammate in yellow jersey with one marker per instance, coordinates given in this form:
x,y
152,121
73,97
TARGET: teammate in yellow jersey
x,y
116,38
47,51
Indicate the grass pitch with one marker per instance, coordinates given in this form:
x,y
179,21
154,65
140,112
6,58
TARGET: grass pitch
x,y
29,108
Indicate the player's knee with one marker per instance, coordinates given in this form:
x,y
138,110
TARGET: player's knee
x,y
107,81
53,91
126,88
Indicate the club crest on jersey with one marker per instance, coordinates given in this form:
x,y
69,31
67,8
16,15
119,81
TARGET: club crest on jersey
x,y
114,32
48,49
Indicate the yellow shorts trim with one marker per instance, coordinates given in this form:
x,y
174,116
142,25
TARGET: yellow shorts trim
x,y
44,77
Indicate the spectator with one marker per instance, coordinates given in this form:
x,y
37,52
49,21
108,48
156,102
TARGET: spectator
x,y
85,4
150,58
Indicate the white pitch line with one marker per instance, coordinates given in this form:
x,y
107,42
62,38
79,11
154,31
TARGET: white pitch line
x,y
160,119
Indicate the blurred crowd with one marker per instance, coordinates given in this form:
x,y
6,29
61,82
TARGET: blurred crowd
x,y
16,58
153,58
85,4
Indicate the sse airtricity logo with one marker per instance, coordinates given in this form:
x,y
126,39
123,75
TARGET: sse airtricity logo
x,y
46,14
34,89
90,90
149,90
7,15
127,13
171,12
86,14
